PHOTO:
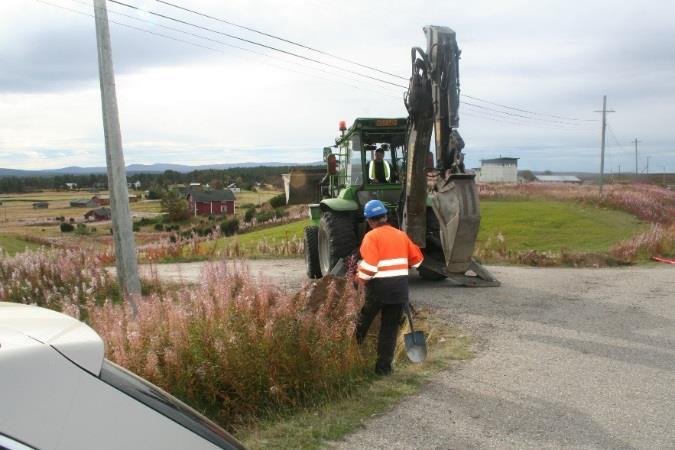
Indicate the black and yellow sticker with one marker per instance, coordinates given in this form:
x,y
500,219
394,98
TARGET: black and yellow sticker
x,y
386,122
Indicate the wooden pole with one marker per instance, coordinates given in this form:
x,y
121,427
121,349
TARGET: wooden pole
x,y
123,236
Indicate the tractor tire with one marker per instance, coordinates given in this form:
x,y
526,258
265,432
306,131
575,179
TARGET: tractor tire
x,y
312,252
337,239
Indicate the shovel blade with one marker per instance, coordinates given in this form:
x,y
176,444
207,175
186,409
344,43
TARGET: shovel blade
x,y
415,346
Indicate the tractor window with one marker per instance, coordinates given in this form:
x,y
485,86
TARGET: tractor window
x,y
356,169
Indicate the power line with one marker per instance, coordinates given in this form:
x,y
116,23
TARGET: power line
x,y
519,115
244,49
528,111
332,55
288,41
165,36
515,121
616,141
239,38
164,16
515,116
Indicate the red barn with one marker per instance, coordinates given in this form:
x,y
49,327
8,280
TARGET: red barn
x,y
204,203
98,214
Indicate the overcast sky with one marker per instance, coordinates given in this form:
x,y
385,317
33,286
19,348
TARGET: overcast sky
x,y
185,104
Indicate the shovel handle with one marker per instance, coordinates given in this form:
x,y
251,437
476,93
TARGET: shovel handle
x,y
406,308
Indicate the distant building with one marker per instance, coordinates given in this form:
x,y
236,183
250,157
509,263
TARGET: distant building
x,y
234,188
98,214
104,200
557,179
101,200
40,205
204,203
83,203
498,170
71,186
134,184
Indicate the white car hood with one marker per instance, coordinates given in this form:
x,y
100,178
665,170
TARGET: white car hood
x,y
70,337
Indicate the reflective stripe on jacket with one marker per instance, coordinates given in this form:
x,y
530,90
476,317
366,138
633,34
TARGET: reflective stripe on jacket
x,y
371,170
387,253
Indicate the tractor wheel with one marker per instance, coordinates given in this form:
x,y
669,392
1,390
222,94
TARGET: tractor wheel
x,y
312,252
337,239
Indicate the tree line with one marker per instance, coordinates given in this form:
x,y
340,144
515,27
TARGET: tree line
x,y
243,177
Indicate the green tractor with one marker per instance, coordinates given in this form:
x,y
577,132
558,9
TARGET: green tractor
x,y
429,196
346,187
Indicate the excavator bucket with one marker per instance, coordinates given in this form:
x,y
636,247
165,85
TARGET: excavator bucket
x,y
457,208
302,186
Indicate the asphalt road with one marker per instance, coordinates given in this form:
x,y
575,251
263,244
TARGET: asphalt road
x,y
565,358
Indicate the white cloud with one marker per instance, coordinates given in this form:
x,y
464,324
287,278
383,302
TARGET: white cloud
x,y
188,105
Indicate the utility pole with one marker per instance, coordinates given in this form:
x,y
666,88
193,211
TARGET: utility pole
x,y
602,145
647,166
123,236
636,155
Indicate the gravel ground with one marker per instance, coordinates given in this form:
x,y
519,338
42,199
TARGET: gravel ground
x,y
565,358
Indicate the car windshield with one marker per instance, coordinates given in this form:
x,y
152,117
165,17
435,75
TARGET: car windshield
x,y
165,404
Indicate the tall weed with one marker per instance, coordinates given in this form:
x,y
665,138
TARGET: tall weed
x,y
59,279
236,348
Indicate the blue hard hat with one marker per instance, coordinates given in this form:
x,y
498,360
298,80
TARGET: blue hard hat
x,y
374,208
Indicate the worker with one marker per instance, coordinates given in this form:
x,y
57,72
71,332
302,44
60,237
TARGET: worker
x,y
379,170
386,254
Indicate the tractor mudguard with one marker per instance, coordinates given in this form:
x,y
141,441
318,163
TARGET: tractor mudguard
x,y
338,204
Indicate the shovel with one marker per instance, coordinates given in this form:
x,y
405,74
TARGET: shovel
x,y
415,341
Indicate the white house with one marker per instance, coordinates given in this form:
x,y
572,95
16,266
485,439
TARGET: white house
x,y
558,179
498,170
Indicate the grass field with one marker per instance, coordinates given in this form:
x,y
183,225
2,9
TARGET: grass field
x,y
552,225
525,225
273,235
13,245
19,218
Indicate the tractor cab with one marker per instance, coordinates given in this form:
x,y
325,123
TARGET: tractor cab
x,y
366,163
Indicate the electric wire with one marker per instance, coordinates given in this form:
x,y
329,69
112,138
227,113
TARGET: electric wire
x,y
332,55
514,118
611,132
518,115
167,17
248,50
269,47
206,47
288,41
184,22
477,113
528,111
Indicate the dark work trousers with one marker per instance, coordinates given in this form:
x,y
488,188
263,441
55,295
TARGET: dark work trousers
x,y
386,341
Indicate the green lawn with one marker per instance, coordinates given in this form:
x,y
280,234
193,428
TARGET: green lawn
x,y
551,225
13,245
272,234
525,225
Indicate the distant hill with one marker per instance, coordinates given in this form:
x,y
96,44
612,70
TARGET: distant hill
x,y
137,168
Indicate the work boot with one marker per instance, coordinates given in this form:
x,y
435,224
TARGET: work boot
x,y
383,369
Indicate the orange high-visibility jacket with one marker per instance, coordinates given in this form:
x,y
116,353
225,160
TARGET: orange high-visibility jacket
x,y
387,253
